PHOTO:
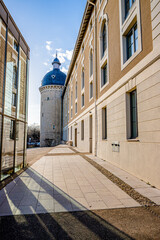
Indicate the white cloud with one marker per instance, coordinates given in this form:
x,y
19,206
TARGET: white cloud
x,y
45,63
69,54
59,49
48,47
48,42
64,70
63,56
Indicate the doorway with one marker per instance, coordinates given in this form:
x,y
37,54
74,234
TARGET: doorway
x,y
75,137
90,133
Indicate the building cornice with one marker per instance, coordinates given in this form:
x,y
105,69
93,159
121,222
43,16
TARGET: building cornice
x,y
82,30
50,87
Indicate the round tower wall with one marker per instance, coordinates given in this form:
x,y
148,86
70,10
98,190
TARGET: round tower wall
x,y
50,126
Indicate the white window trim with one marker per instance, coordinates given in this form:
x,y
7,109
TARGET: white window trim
x,y
134,12
104,59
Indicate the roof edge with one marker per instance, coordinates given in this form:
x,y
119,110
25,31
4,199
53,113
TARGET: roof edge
x,y
84,23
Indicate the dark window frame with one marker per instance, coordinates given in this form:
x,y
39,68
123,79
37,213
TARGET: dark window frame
x,y
104,123
91,63
82,130
82,78
128,5
104,39
104,75
129,43
91,90
82,100
133,114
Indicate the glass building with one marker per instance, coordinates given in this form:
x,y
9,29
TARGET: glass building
x,y
14,60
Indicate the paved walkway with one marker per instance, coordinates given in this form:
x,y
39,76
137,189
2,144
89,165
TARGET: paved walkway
x,y
63,181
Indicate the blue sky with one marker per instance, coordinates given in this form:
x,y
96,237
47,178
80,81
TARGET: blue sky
x,y
46,25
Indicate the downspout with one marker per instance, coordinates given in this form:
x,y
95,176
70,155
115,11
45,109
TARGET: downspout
x,y
95,74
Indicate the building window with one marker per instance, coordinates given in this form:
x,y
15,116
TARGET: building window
x,y
91,89
104,123
104,39
91,63
82,100
76,90
82,130
90,26
14,99
103,75
128,5
71,132
132,41
16,46
82,47
42,114
14,80
12,129
75,108
47,98
71,112
133,114
82,78
71,99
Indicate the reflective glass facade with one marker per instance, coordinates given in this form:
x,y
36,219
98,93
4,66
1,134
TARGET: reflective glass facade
x,y
13,99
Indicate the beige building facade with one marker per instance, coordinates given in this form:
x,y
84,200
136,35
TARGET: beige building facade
x,y
111,99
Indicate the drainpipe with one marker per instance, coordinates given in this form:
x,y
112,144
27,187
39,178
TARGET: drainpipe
x,y
95,74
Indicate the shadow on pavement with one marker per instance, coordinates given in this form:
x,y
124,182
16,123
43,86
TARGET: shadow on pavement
x,y
62,225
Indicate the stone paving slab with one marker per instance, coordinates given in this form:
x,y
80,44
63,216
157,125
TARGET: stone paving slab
x,y
61,184
138,185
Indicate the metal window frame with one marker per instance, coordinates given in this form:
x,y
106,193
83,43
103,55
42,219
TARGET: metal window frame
x,y
132,30
131,123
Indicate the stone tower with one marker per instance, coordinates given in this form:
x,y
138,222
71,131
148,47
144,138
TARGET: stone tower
x,y
51,90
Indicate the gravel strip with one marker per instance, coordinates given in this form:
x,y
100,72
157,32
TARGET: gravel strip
x,y
143,201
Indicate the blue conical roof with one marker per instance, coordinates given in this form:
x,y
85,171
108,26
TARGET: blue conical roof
x,y
54,77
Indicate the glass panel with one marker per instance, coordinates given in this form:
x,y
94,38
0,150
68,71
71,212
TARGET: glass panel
x,y
91,63
2,59
19,145
8,147
104,41
134,123
82,79
21,112
130,46
104,75
91,90
135,38
10,84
